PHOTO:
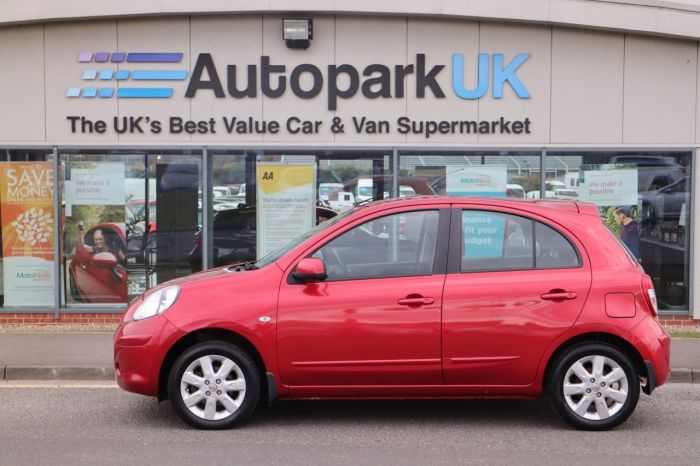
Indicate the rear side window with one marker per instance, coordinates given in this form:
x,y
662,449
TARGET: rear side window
x,y
494,241
553,251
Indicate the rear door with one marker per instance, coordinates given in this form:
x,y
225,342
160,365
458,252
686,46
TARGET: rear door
x,y
514,284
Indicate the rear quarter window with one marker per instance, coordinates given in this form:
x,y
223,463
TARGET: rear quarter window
x,y
493,241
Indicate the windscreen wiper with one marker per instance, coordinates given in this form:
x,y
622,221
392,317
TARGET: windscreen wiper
x,y
250,265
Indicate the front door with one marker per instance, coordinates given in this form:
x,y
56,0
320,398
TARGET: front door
x,y
376,319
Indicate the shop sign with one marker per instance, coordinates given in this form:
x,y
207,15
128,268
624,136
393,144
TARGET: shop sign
x,y
334,83
26,213
286,204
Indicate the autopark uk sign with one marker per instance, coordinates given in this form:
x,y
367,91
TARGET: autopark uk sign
x,y
335,83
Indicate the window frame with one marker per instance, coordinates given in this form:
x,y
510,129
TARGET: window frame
x,y
441,246
457,244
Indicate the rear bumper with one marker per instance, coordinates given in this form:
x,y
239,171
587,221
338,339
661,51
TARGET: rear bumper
x,y
656,353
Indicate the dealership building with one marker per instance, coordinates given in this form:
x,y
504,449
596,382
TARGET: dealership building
x,y
143,141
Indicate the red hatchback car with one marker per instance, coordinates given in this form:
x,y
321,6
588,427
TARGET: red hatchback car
x,y
436,297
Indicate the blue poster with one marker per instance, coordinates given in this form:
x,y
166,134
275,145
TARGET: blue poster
x,y
483,234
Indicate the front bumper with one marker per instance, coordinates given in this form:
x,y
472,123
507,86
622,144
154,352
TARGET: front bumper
x,y
139,350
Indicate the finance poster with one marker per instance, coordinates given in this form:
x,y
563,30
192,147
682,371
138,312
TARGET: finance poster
x,y
477,180
286,203
26,214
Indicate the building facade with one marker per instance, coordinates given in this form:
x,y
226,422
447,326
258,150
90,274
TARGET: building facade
x,y
142,143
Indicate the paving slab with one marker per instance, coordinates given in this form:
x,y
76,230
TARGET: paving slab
x,y
56,349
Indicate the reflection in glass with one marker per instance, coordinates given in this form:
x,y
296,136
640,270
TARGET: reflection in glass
x,y
128,222
514,175
342,179
644,198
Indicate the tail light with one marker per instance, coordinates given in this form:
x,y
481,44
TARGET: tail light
x,y
650,294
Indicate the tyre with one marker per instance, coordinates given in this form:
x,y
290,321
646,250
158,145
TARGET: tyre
x,y
594,387
214,385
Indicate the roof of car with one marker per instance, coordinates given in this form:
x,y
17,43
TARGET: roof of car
x,y
528,204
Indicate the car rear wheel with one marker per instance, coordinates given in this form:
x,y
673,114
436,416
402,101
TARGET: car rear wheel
x,y
594,387
214,385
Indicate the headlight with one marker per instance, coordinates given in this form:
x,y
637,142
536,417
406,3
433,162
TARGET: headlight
x,y
157,302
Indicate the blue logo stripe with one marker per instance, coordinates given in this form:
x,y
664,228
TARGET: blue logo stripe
x,y
154,58
164,75
145,93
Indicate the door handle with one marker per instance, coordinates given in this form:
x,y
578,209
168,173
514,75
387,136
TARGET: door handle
x,y
556,295
416,301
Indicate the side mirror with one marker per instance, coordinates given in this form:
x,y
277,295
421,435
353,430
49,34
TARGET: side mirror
x,y
310,270
104,260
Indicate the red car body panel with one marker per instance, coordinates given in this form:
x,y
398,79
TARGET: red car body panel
x,y
484,334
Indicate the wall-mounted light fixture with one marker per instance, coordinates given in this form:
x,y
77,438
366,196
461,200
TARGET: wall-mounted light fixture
x,y
297,33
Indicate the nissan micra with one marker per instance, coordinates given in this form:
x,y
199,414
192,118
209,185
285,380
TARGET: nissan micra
x,y
424,297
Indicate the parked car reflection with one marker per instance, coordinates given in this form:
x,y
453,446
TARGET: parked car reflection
x,y
666,204
234,236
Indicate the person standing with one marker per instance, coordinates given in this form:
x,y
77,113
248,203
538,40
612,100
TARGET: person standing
x,y
629,233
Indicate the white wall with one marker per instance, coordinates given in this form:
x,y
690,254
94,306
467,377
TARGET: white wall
x,y
587,87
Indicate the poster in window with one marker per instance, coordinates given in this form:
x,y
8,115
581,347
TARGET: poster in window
x,y
286,203
94,237
26,214
476,180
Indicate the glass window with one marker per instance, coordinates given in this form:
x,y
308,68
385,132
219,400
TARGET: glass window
x,y
128,222
398,245
495,241
27,257
645,200
297,191
492,174
553,251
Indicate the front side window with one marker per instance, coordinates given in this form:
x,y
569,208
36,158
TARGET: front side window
x,y
397,245
493,241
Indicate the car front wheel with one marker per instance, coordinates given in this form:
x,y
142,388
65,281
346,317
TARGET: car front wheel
x,y
214,385
594,387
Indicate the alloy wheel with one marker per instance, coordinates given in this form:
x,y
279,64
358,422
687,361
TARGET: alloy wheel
x,y
595,387
213,387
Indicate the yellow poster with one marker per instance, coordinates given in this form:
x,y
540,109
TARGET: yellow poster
x,y
26,215
286,197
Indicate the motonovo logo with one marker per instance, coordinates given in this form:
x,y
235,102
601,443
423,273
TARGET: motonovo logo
x,y
342,81
345,81
39,275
